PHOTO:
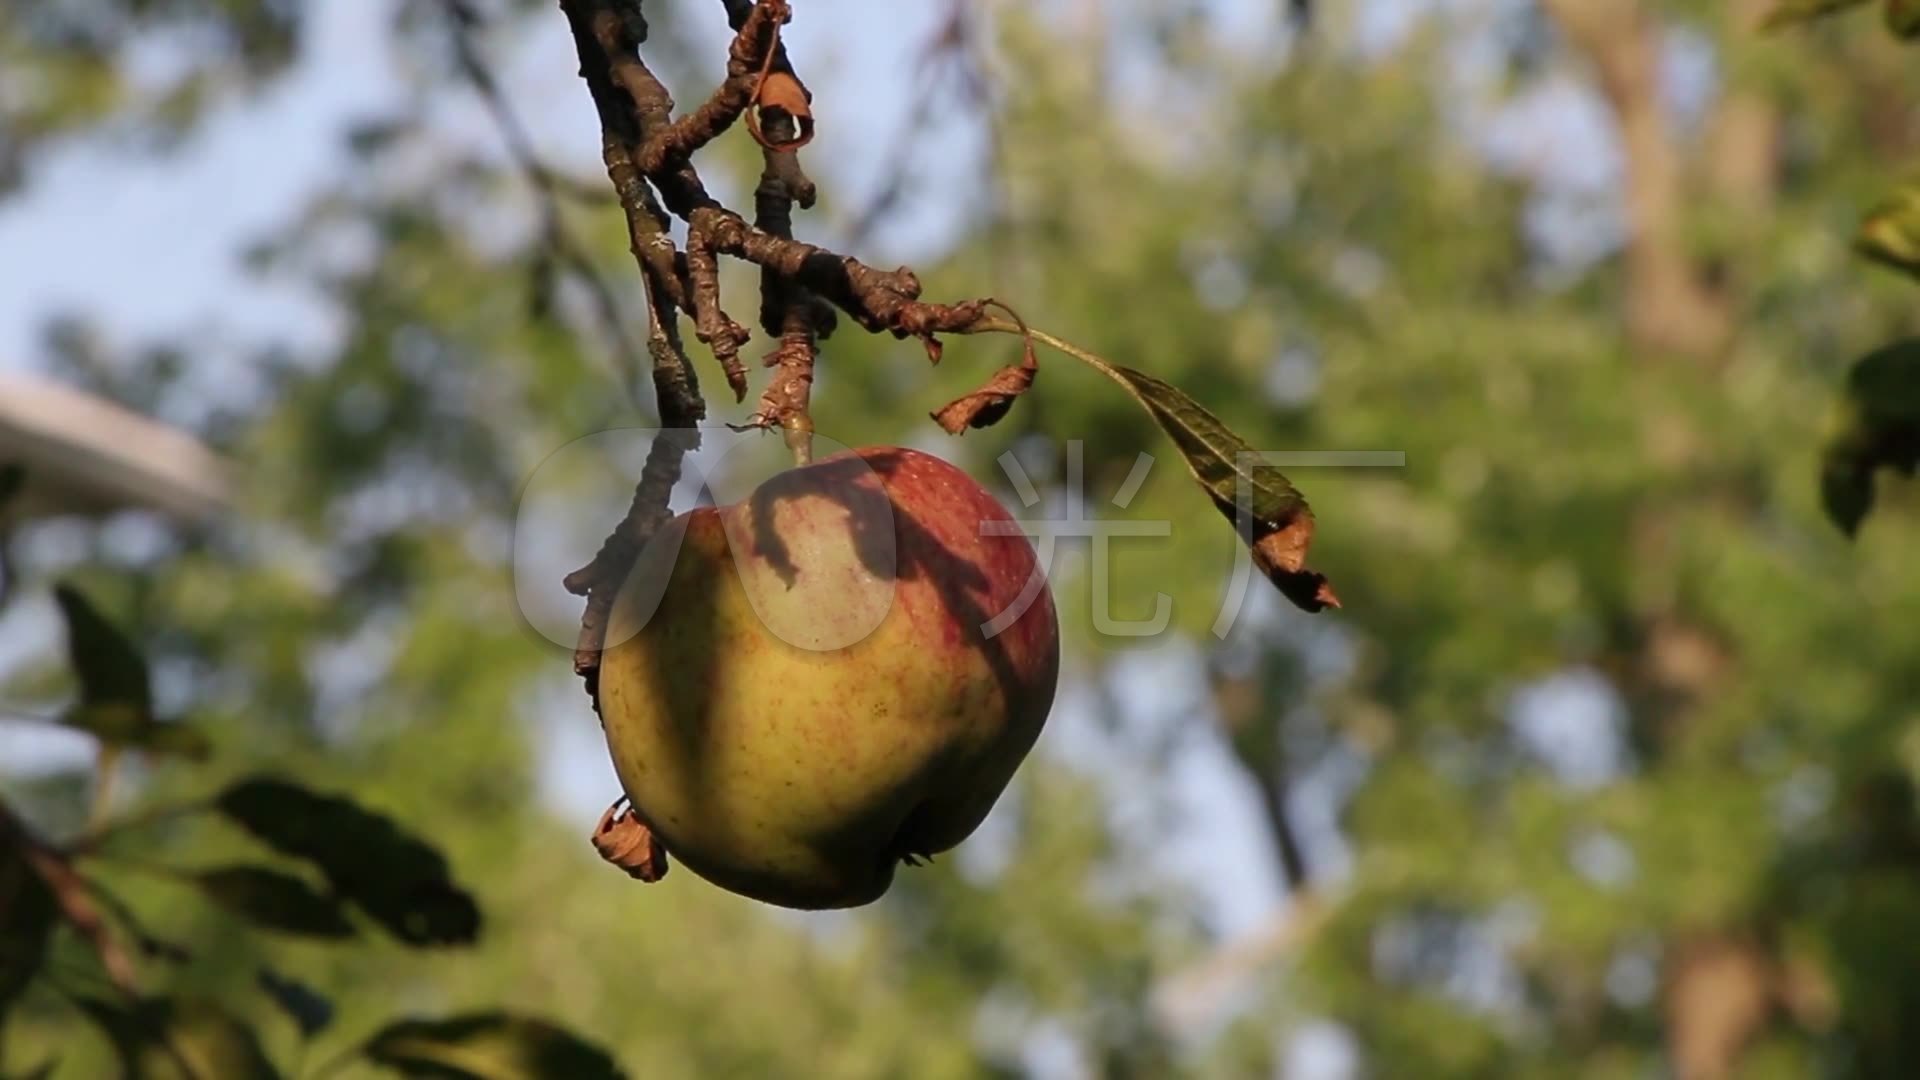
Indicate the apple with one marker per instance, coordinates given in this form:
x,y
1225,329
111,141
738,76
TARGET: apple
x,y
837,674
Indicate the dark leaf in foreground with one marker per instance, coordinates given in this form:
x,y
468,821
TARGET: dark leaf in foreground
x,y
109,667
274,900
1879,428
310,1011
399,880
180,1039
27,916
489,1046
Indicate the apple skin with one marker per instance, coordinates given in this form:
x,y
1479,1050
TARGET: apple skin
x,y
813,698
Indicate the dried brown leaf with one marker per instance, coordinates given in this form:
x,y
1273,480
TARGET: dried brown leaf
x,y
779,90
624,840
985,406
1282,554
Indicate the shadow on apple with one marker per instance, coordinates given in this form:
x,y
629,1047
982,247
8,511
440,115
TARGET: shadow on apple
x,y
802,694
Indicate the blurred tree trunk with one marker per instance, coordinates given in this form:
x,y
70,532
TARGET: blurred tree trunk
x,y
1717,993
1670,305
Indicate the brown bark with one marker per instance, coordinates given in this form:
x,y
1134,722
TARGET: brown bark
x,y
1720,988
1719,992
1669,306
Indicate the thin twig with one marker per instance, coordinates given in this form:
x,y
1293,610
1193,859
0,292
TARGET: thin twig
x,y
71,897
548,187
646,150
788,312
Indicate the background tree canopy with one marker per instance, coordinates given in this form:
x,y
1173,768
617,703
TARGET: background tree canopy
x,y
1605,768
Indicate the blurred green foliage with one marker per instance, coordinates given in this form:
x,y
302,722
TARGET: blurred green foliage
x,y
1321,245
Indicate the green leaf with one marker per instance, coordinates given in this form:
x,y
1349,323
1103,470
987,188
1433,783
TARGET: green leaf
x,y
1891,233
1268,512
1846,491
1878,428
27,917
274,900
399,880
122,726
1903,18
180,1039
116,698
489,1046
43,1071
109,667
1794,12
310,1010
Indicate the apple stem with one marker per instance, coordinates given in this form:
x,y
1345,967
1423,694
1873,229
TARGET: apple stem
x,y
797,429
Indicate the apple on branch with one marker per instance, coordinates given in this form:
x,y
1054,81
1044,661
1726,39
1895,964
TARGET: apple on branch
x,y
806,688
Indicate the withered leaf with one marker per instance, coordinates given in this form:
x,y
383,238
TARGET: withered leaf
x,y
985,406
781,98
624,840
1267,511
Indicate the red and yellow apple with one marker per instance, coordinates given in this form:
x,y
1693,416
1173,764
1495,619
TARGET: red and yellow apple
x,y
836,674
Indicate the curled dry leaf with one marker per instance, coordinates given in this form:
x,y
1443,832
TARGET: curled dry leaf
x,y
779,92
1281,555
985,406
624,840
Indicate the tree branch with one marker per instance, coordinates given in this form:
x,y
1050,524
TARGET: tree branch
x,y
757,33
71,896
630,101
